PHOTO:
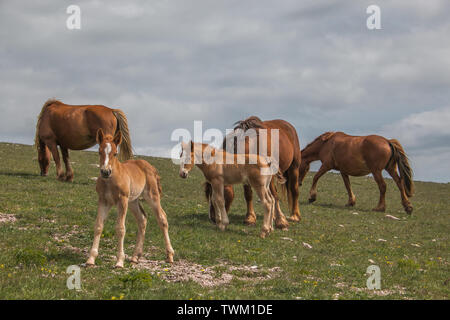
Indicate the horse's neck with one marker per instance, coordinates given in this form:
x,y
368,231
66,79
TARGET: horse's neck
x,y
311,153
204,168
118,169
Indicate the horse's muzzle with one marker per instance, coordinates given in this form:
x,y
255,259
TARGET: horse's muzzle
x,y
183,174
106,173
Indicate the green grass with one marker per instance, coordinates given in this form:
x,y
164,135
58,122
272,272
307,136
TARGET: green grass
x,y
54,229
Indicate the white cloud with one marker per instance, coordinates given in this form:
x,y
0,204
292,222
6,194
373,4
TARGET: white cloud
x,y
422,130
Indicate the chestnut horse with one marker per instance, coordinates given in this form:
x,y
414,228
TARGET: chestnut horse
x,y
218,171
359,156
289,163
75,128
121,185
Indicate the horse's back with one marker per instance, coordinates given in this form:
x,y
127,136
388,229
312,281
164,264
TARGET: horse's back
x,y
140,166
355,155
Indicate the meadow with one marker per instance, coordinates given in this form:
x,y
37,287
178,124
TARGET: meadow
x,y
47,225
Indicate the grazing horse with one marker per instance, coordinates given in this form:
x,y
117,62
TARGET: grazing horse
x,y
75,128
218,171
289,163
121,185
359,156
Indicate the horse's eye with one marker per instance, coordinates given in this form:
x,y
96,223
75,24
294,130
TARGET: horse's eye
x,y
115,154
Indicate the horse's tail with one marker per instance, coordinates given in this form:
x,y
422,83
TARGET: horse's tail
x,y
126,151
406,172
37,142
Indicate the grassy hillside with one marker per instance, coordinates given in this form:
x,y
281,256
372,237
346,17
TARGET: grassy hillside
x,y
47,225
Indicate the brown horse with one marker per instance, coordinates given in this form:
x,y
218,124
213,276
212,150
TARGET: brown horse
x,y
121,185
218,171
75,128
289,163
359,156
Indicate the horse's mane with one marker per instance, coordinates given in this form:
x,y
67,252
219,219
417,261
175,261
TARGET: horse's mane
x,y
46,104
323,137
250,122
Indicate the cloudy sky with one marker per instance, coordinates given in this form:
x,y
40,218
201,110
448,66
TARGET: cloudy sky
x,y
167,63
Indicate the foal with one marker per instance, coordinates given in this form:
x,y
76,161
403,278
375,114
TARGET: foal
x,y
122,184
220,173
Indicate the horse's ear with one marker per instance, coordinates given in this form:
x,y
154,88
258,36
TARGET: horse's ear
x,y
192,146
100,136
117,138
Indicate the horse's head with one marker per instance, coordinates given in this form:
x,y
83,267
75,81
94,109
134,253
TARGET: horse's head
x,y
108,151
44,159
186,159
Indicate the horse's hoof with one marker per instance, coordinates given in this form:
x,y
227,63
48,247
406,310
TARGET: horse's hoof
x,y
283,225
294,218
409,210
249,222
69,179
88,265
118,266
311,200
351,204
379,209
263,235
169,258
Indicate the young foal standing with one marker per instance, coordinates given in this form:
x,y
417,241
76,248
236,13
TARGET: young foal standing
x,y
220,173
122,184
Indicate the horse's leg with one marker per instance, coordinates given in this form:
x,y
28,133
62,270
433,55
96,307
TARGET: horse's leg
x,y
54,150
153,199
250,217
69,171
280,219
351,197
267,204
229,197
313,192
272,200
122,208
102,213
228,194
382,186
292,190
141,219
405,201
219,206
